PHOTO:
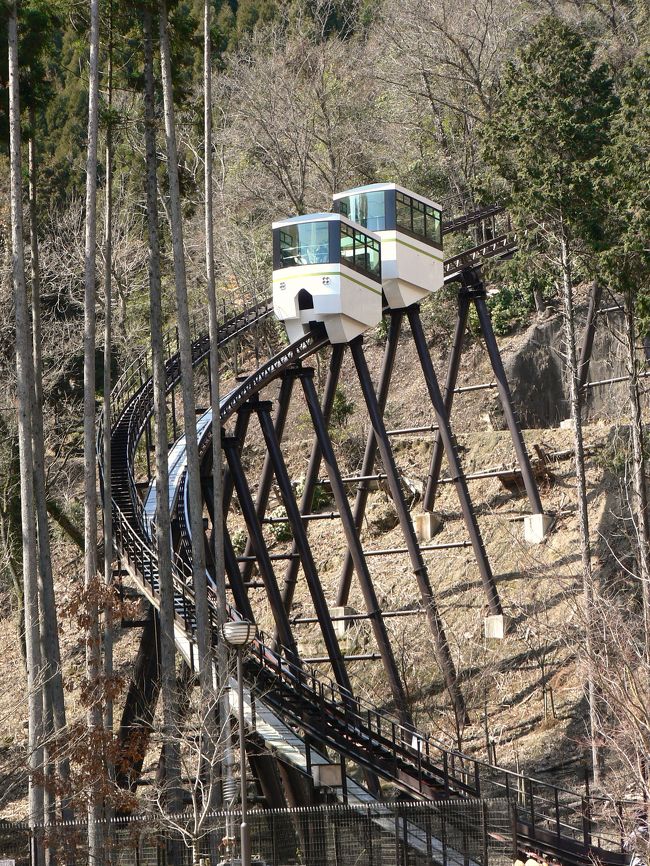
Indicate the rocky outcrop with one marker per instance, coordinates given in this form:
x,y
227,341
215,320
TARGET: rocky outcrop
x,y
536,370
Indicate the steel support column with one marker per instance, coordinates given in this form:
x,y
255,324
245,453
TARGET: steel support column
x,y
266,478
259,544
239,435
456,472
352,537
396,317
313,468
300,538
478,296
441,646
137,720
234,575
230,557
448,399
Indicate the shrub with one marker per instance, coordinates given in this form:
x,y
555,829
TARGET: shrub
x,y
280,531
342,408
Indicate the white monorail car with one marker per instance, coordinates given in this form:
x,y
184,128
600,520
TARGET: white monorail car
x,y
410,229
326,269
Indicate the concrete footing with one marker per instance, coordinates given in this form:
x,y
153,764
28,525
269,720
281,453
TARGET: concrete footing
x,y
427,525
567,424
496,626
342,625
536,527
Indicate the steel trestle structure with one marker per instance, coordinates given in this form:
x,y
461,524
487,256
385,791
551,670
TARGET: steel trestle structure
x,y
314,714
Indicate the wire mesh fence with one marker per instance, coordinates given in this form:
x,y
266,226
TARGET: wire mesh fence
x,y
444,833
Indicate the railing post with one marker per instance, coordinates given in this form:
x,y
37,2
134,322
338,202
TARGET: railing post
x,y
445,769
532,807
512,814
619,813
586,829
484,831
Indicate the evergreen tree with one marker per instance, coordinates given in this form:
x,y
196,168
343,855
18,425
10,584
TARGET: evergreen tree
x,y
626,190
545,141
548,132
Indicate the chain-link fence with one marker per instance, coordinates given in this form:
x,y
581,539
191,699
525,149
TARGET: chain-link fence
x,y
445,833
15,842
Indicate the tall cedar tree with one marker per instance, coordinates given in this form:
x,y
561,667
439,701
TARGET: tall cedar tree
x,y
545,141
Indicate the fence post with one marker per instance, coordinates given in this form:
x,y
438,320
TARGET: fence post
x,y
512,814
484,830
398,858
443,832
532,807
586,834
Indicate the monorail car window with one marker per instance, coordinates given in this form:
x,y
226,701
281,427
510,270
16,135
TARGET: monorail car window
x,y
304,244
418,218
360,252
368,209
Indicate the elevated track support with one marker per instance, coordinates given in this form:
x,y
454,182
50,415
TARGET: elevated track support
x,y
302,719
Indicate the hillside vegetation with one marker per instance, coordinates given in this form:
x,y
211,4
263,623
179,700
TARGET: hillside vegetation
x,y
543,108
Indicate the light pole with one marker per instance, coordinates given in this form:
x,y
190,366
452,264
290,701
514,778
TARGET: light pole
x,y
238,635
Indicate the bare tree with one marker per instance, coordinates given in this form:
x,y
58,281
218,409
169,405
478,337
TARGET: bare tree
x,y
201,745
54,703
25,394
639,489
217,460
108,339
439,98
203,629
163,527
93,641
575,406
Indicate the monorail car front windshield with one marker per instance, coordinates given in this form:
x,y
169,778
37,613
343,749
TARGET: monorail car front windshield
x,y
323,242
304,244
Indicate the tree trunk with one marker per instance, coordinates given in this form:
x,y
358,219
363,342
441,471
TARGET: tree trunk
x,y
203,632
581,490
93,643
163,528
217,468
54,703
25,400
107,514
640,494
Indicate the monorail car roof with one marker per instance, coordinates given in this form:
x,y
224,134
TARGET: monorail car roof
x,y
324,217
379,187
